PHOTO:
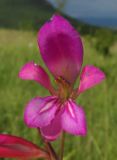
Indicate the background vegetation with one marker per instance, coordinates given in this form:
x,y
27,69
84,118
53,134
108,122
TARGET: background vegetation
x,y
19,22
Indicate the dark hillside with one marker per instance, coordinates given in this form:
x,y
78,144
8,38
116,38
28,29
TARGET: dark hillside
x,y
31,14
24,14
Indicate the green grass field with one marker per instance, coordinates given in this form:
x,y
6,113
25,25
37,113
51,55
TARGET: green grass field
x,y
20,46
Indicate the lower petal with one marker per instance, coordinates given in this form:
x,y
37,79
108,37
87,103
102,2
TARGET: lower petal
x,y
53,130
73,119
40,111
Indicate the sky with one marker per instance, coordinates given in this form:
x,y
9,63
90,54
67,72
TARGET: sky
x,y
90,8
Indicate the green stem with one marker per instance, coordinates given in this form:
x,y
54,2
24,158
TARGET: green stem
x,y
53,155
49,149
62,145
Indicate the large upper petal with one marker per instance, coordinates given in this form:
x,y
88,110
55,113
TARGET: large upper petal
x,y
40,111
16,147
53,130
90,77
32,71
61,48
73,119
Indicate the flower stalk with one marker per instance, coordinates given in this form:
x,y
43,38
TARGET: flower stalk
x,y
62,145
51,151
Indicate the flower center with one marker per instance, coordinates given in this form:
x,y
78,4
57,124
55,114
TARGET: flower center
x,y
65,89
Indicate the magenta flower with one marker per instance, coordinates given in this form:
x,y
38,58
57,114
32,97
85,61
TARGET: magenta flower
x,y
62,51
16,147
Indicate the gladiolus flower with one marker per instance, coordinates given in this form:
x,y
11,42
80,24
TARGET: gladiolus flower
x,y
62,51
16,147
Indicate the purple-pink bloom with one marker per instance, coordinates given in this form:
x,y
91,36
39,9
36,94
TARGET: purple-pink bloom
x,y
62,51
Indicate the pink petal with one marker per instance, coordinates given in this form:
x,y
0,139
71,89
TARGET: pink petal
x,y
16,147
32,71
53,130
73,119
61,48
40,111
90,77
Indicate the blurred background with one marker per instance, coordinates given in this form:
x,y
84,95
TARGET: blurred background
x,y
96,20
